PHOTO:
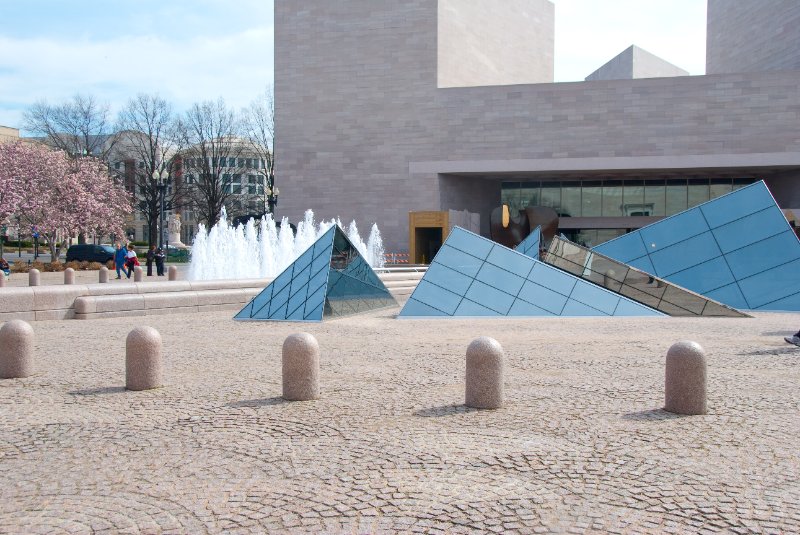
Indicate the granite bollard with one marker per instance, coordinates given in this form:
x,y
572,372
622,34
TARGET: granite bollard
x,y
685,379
103,275
137,274
300,361
484,383
69,276
143,365
34,277
172,273
2,279
16,349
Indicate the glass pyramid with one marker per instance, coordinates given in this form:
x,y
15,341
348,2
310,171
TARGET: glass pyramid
x,y
737,249
631,282
474,276
329,279
530,245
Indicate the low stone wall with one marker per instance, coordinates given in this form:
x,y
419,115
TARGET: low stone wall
x,y
87,301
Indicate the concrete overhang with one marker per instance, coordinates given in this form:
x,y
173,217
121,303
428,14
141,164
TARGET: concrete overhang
x,y
752,162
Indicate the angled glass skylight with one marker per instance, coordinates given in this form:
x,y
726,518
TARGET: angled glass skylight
x,y
474,276
631,282
329,279
530,245
737,249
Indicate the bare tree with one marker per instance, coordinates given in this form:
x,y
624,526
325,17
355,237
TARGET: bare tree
x,y
148,143
258,123
79,127
216,159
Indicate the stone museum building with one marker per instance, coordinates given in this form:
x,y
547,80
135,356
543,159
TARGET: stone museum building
x,y
384,108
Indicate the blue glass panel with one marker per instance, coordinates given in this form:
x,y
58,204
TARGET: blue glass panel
x,y
436,297
490,297
594,296
447,278
704,277
316,300
279,313
530,245
296,313
461,262
282,280
574,308
300,280
279,301
322,261
764,254
468,308
552,278
737,204
468,242
729,295
415,308
685,254
500,279
521,308
543,297
245,313
771,285
751,229
320,280
630,308
297,303
625,248
512,261
304,260
673,230
315,314
790,303
645,265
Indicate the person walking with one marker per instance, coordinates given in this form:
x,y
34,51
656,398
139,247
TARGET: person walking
x,y
794,339
131,260
151,255
160,261
120,256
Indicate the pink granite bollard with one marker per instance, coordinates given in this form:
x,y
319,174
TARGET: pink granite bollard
x,y
103,276
137,274
16,350
300,359
2,279
685,379
172,273
484,388
143,366
69,276
34,277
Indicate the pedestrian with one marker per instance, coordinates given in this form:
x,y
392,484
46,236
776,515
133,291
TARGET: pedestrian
x,y
4,267
119,258
160,262
151,255
131,260
794,339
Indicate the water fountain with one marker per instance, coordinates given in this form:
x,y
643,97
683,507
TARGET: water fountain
x,y
247,252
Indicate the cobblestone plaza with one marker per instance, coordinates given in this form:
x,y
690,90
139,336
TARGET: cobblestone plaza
x,y
581,444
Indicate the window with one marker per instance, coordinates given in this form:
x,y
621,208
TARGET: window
x,y
117,165
698,192
249,163
251,189
612,198
251,179
633,199
592,198
231,162
676,196
570,199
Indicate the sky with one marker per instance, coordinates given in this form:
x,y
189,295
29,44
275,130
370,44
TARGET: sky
x,y
192,51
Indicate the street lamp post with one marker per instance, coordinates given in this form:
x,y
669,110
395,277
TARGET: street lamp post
x,y
162,180
272,192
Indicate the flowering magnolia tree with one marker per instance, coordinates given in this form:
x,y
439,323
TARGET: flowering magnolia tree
x,y
60,196
10,190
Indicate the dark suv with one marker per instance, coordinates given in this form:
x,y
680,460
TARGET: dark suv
x,y
91,253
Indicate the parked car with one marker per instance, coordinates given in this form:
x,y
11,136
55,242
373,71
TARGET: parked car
x,y
91,253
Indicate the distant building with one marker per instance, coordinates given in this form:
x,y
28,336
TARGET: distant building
x,y
633,63
384,108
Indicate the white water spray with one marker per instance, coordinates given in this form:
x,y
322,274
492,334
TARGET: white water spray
x,y
249,252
